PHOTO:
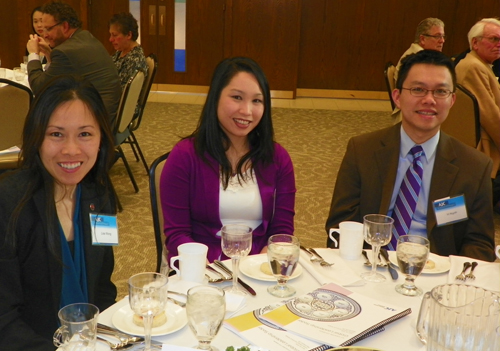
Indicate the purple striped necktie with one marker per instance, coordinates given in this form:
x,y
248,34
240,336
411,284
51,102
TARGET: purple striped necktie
x,y
406,202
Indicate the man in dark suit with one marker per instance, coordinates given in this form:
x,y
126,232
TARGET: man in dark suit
x,y
74,51
375,164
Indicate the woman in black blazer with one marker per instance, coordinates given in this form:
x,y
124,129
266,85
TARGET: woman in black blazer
x,y
47,258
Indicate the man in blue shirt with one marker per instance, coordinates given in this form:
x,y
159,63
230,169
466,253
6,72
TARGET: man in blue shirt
x,y
375,164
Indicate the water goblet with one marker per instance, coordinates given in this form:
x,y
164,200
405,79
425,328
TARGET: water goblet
x,y
148,298
283,252
205,310
236,243
377,231
412,253
18,74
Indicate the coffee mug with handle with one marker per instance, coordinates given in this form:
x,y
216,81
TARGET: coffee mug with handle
x,y
352,241
192,259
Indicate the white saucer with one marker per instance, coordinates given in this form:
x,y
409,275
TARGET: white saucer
x,y
250,266
176,319
442,263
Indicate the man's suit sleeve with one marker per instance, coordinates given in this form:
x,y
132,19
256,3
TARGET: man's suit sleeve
x,y
346,195
37,77
479,241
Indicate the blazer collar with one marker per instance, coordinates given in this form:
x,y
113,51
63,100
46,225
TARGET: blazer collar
x,y
387,162
443,176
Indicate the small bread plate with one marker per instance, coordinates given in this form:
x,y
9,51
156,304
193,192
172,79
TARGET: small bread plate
x,y
176,319
250,266
441,263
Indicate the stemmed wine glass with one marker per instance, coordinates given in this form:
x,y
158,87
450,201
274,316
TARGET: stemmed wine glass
x,y
377,230
412,253
205,309
236,243
283,252
148,298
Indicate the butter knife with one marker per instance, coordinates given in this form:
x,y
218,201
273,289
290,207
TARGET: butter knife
x,y
392,271
241,282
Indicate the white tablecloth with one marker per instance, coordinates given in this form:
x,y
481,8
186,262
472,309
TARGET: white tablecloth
x,y
399,335
9,74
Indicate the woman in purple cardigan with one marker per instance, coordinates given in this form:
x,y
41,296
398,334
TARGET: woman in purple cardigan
x,y
229,170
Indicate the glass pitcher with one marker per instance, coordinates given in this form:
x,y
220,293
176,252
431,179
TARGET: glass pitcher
x,y
459,317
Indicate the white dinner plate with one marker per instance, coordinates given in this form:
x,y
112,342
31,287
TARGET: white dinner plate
x,y
250,266
442,263
176,319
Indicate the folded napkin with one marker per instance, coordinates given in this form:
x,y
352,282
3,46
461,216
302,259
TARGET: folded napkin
x,y
234,303
340,273
487,273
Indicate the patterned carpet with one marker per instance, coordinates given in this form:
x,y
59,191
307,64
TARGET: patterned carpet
x,y
315,139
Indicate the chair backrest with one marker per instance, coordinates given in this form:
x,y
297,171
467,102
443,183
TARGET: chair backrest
x,y
154,192
15,102
463,119
389,80
152,63
128,101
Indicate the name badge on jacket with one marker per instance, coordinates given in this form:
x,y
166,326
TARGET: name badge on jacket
x,y
104,229
450,210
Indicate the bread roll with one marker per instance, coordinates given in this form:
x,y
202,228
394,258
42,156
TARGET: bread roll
x,y
429,264
265,268
158,320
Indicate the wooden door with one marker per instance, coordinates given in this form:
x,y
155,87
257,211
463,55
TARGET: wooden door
x,y
204,38
268,32
99,14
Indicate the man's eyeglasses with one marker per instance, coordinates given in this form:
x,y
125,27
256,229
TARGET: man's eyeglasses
x,y
437,93
438,37
493,40
46,30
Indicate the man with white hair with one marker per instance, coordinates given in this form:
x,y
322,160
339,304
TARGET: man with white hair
x,y
475,73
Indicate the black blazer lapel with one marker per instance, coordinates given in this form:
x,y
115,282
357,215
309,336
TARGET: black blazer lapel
x,y
55,275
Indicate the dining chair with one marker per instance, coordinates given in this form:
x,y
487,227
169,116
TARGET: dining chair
x,y
463,119
15,100
389,81
152,63
124,115
154,192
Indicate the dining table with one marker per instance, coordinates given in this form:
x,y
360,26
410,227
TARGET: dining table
x,y
9,74
398,335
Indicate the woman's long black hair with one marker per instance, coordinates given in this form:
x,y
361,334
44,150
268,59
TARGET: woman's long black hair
x,y
58,91
209,136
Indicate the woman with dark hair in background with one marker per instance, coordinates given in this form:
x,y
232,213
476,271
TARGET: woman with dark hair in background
x,y
37,27
48,257
230,169
129,57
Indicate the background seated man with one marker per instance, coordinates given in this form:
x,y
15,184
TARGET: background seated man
x,y
375,165
474,73
74,51
429,36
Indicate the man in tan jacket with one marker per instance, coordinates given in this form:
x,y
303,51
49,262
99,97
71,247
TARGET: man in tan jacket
x,y
475,73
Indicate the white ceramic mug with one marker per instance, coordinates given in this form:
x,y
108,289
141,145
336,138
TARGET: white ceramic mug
x,y
497,251
78,330
351,244
192,262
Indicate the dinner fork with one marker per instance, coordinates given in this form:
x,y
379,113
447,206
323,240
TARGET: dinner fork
x,y
461,276
470,275
316,257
